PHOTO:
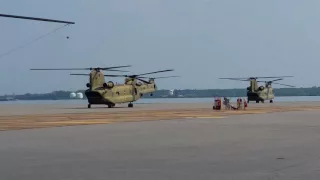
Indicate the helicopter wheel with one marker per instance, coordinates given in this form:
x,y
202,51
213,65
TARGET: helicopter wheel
x,y
271,101
130,105
110,106
257,101
89,106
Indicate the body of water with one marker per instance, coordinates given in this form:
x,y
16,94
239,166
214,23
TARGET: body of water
x,y
162,100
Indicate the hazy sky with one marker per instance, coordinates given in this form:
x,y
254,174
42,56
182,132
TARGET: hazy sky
x,y
201,39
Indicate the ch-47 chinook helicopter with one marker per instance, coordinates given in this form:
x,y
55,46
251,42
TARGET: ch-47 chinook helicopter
x,y
101,92
134,87
261,93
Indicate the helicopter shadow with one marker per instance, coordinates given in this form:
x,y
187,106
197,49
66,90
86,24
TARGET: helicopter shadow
x,y
95,108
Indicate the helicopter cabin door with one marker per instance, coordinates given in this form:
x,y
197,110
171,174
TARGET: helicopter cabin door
x,y
135,93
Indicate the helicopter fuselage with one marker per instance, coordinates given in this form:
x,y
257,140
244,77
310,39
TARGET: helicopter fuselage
x,y
261,94
124,93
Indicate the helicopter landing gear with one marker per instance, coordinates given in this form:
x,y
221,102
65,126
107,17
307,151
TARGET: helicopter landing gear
x,y
111,105
89,106
130,105
262,101
271,101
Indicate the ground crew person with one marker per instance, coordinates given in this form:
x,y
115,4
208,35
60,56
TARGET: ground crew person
x,y
245,104
238,103
241,104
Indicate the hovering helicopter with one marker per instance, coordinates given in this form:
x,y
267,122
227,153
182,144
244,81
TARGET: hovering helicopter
x,y
261,93
101,92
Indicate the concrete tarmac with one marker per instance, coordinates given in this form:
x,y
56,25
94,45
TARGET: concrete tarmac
x,y
32,109
17,117
248,147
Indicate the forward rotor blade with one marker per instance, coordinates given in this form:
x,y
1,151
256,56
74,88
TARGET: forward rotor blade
x,y
159,77
115,70
155,72
105,68
35,19
114,67
110,75
284,84
80,74
62,69
235,79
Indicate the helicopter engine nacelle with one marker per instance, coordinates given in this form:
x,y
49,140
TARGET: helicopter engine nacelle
x,y
139,84
88,85
151,80
109,84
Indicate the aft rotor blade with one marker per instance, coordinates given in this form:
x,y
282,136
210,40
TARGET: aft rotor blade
x,y
35,19
143,80
261,77
277,80
284,84
274,77
155,72
271,81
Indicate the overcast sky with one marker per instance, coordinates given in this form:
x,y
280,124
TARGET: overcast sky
x,y
201,39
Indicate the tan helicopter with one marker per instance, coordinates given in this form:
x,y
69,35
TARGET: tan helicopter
x,y
260,93
101,92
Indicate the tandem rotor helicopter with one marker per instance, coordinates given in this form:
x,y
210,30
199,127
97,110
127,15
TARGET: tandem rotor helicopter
x,y
101,92
261,93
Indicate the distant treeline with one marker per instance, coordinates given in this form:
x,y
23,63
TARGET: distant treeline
x,y
186,93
